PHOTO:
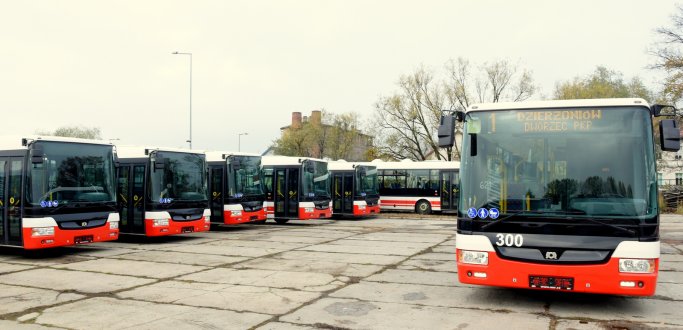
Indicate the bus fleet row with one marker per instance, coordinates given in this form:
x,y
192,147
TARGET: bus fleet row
x,y
62,191
550,195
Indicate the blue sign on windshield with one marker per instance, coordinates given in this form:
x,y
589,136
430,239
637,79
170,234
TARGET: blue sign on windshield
x,y
49,203
493,213
472,212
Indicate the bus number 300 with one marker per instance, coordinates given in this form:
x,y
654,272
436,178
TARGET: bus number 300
x,y
509,240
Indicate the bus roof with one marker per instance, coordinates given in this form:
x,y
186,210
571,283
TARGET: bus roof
x,y
412,165
285,160
346,166
127,151
558,104
217,156
15,142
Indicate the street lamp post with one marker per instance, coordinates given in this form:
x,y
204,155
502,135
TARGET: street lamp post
x,y
190,54
239,140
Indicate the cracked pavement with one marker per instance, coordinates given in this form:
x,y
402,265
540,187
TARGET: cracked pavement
x,y
379,273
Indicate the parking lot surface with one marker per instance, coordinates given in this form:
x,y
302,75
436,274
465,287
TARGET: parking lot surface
x,y
376,273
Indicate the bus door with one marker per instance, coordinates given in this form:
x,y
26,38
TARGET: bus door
x,y
348,193
449,190
342,188
217,193
286,194
10,199
130,187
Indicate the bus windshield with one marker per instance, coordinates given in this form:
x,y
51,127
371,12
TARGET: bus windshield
x,y
245,176
367,179
315,179
582,162
70,172
182,178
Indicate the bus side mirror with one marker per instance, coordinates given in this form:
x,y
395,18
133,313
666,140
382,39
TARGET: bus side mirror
x,y
656,110
446,131
37,155
669,135
159,163
460,116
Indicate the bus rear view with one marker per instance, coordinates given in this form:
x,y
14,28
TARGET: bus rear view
x,y
560,195
56,192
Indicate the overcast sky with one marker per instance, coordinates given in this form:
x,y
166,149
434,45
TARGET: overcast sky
x,y
108,64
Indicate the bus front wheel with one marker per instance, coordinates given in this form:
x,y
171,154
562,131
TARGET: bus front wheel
x,y
281,221
423,207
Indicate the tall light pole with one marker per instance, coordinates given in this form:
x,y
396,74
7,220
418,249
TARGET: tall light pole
x,y
178,53
239,140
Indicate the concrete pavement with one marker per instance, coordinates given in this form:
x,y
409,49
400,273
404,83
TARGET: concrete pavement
x,y
358,274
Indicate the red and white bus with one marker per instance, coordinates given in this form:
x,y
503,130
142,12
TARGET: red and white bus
x,y
56,191
162,191
296,188
235,188
422,187
354,189
561,195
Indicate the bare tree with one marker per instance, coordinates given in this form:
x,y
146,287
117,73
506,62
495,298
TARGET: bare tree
x,y
408,119
75,132
669,58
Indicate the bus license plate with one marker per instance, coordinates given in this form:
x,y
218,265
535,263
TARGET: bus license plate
x,y
551,282
188,229
83,239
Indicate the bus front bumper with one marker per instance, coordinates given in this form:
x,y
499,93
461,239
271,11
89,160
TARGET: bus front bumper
x,y
306,213
176,227
597,278
243,217
68,237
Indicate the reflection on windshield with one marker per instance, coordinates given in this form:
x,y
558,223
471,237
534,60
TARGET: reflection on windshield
x,y
316,179
367,177
71,172
183,177
596,162
245,174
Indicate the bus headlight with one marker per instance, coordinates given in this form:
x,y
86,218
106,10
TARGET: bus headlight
x,y
42,231
236,213
473,257
642,266
308,210
114,225
159,222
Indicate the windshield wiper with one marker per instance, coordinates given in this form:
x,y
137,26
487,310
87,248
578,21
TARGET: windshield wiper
x,y
610,225
568,213
497,221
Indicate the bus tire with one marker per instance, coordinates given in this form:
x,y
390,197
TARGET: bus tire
x,y
281,221
423,207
